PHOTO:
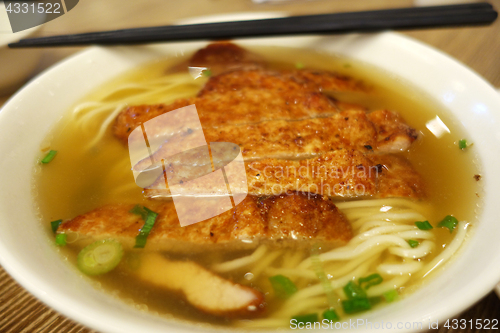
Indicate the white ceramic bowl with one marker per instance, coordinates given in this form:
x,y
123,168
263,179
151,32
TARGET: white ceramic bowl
x,y
29,256
15,65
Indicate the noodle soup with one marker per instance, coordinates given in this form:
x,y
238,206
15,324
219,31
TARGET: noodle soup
x,y
92,169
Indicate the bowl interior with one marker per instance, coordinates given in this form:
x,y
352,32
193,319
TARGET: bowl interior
x,y
31,258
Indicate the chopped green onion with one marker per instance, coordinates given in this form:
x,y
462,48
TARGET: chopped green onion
x,y
149,218
449,222
55,224
413,243
61,239
320,273
49,157
100,257
356,305
462,144
299,65
391,295
283,286
331,314
353,291
371,280
139,210
207,73
141,238
307,318
425,225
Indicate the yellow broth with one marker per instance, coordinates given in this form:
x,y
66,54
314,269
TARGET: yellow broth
x,y
80,179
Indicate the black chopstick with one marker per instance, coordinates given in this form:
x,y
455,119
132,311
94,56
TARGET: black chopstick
x,y
367,21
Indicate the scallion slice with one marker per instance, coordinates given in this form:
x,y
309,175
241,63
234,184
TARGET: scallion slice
x,y
55,225
49,157
353,291
391,295
413,243
283,286
462,144
149,218
207,73
323,278
307,318
139,210
356,305
370,281
424,225
331,314
100,257
61,239
449,222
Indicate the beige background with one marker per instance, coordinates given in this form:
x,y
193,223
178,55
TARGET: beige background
x,y
477,47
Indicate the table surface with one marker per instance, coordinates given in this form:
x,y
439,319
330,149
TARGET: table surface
x,y
477,47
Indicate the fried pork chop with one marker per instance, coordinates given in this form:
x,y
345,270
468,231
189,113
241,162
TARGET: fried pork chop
x,y
223,56
343,173
281,218
381,131
282,120
244,97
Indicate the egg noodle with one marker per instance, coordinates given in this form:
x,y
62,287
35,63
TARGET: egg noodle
x,y
382,228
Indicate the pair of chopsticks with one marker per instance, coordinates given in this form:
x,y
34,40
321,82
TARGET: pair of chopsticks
x,y
367,21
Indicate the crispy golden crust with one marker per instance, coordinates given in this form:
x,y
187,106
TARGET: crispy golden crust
x,y
301,139
247,97
307,217
393,134
269,97
134,116
298,139
223,56
340,173
398,178
300,216
264,100
283,82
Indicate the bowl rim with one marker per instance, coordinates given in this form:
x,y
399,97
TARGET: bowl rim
x,y
60,301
